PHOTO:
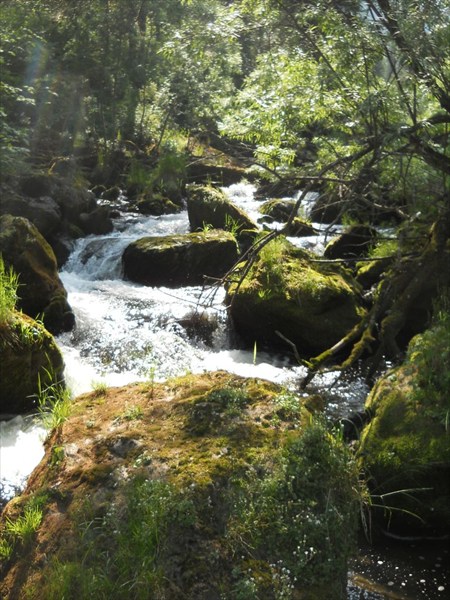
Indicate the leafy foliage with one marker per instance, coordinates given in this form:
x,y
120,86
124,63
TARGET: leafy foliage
x,y
356,89
360,90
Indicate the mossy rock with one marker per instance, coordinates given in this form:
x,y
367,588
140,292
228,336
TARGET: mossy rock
x,y
208,206
313,305
29,358
277,208
405,450
355,241
196,488
369,273
300,228
41,291
156,205
177,260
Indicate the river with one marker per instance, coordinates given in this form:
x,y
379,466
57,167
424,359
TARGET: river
x,y
127,332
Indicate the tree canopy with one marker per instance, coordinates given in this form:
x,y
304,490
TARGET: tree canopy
x,y
358,88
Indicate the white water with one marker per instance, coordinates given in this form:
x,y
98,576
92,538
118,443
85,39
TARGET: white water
x,y
125,331
21,449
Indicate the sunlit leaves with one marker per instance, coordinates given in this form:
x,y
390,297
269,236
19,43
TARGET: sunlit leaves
x,y
333,76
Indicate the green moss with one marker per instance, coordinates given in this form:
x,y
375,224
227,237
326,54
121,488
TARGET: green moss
x,y
314,305
407,444
29,361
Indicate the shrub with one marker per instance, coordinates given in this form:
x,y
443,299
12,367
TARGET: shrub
x,y
297,522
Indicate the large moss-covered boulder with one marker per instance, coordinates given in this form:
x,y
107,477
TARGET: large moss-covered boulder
x,y
207,487
312,304
210,206
41,292
405,450
177,260
29,362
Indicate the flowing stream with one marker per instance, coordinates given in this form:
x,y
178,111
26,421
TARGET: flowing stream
x,y
126,332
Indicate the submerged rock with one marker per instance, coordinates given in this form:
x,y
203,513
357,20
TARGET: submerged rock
x,y
177,260
29,362
201,487
41,292
313,305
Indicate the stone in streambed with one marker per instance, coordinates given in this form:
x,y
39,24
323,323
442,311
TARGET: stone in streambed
x,y
178,260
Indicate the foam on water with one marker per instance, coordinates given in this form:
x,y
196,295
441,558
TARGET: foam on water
x,y
21,449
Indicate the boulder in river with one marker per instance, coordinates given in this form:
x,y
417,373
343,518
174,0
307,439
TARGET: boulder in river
x,y
155,204
177,260
300,228
41,292
181,489
97,222
353,242
312,304
29,362
278,208
208,206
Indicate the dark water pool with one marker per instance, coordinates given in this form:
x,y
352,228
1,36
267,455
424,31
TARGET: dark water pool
x,y
401,571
